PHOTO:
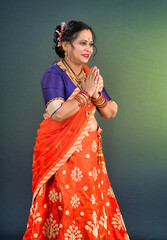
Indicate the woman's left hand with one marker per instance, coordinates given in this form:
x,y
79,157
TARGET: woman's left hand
x,y
97,90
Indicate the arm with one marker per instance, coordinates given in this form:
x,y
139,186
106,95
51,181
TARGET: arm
x,y
70,107
67,109
53,92
54,95
109,111
111,108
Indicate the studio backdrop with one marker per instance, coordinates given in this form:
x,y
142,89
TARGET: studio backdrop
x,y
132,57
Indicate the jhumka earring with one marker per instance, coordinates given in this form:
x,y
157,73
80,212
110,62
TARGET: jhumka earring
x,y
66,52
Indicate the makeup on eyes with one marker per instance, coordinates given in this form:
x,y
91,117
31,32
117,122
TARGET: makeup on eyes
x,y
85,43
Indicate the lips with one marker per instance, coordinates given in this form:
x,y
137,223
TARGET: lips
x,y
85,55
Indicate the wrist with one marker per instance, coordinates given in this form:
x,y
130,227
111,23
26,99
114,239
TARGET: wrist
x,y
100,102
96,96
86,93
82,98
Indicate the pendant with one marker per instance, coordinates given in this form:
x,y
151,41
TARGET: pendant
x,y
88,113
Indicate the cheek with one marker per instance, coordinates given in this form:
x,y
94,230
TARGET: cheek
x,y
78,48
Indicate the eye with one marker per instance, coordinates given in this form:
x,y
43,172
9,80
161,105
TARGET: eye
x,y
91,44
83,43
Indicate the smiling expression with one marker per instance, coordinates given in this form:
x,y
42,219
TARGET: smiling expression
x,y
81,49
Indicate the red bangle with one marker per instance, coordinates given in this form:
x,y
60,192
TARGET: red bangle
x,y
82,97
81,104
100,102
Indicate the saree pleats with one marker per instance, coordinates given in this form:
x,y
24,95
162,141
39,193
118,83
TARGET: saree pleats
x,y
77,202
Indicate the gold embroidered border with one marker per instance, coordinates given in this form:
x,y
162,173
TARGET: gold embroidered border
x,y
57,98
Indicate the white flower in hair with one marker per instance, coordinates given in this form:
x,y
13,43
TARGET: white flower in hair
x,y
63,24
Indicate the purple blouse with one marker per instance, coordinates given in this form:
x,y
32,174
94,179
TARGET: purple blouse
x,y
57,87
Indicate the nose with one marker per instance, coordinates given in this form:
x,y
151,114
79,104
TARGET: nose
x,y
88,48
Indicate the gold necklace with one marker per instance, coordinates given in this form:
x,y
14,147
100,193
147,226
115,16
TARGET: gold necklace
x,y
76,80
77,76
79,79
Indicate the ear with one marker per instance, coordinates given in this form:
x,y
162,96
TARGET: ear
x,y
65,45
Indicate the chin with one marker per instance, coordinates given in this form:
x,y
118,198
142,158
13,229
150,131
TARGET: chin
x,y
84,61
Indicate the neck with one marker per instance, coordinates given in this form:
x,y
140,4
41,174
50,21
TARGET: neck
x,y
75,67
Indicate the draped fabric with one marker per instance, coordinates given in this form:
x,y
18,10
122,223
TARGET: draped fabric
x,y
72,195
56,142
77,203
53,143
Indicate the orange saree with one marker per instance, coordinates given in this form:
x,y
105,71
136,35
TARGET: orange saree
x,y
72,195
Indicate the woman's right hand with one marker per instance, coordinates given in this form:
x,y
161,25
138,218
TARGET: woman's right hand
x,y
90,85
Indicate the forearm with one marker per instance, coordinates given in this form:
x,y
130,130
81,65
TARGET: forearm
x,y
68,108
109,111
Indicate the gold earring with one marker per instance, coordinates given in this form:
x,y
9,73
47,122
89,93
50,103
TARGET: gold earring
x,y
66,52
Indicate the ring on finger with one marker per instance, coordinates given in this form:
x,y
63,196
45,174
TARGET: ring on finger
x,y
95,81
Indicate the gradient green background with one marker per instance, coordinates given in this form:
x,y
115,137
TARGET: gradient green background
x,y
132,57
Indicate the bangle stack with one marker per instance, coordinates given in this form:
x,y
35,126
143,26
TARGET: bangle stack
x,y
83,98
100,102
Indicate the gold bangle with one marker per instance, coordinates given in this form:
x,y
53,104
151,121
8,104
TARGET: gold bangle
x,y
100,102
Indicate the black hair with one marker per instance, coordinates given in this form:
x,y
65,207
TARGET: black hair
x,y
70,33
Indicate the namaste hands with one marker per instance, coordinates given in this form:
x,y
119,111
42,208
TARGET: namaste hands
x,y
91,83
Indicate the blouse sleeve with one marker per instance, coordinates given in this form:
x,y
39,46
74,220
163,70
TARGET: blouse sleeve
x,y
53,90
106,95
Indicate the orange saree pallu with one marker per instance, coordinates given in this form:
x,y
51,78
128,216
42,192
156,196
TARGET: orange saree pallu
x,y
72,195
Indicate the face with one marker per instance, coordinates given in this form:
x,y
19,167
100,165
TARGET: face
x,y
81,49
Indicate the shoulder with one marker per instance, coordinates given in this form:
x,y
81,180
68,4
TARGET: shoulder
x,y
52,74
54,68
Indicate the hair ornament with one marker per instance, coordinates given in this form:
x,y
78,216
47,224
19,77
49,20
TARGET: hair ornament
x,y
63,24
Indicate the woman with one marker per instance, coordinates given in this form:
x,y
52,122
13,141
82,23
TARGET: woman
x,y
72,195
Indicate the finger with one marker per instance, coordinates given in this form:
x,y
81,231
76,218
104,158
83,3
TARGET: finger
x,y
93,70
97,88
96,79
95,73
90,72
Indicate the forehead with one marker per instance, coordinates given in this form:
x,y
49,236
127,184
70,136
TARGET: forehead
x,y
85,35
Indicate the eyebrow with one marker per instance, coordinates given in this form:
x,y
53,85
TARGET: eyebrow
x,y
86,40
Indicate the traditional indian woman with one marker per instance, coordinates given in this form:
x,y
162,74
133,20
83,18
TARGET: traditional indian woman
x,y
72,195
